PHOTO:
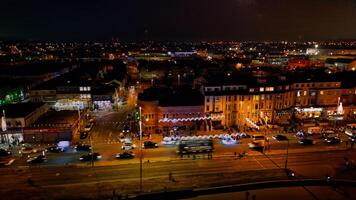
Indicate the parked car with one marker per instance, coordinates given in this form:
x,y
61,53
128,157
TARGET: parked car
x,y
4,152
82,147
332,140
280,137
306,141
149,145
37,159
90,156
54,149
28,150
125,155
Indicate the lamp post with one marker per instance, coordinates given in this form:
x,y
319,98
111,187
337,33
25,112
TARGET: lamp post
x,y
140,131
286,162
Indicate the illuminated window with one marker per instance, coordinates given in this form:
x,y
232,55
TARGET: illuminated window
x,y
269,89
262,89
305,93
322,92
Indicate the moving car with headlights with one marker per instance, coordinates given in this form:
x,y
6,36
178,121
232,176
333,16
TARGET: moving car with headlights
x,y
125,155
90,156
37,159
28,150
258,142
54,149
128,145
149,145
306,141
332,140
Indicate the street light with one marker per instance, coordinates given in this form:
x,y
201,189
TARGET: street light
x,y
140,131
286,162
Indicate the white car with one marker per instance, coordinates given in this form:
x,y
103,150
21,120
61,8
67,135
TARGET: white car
x,y
256,144
168,141
128,146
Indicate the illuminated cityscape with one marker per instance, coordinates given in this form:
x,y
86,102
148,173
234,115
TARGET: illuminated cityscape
x,y
182,100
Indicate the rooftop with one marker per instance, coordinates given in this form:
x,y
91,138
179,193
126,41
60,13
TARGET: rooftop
x,y
19,110
63,118
183,96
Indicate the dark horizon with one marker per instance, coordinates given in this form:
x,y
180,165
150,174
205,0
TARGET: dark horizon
x,y
158,20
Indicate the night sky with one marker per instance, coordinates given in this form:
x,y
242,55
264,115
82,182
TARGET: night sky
x,y
178,19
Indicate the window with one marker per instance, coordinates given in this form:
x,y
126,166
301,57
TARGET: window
x,y
262,89
208,99
229,98
322,92
269,89
235,98
207,108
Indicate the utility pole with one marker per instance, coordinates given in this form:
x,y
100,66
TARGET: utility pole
x,y
140,131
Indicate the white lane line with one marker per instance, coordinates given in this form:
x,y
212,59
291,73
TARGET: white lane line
x,y
259,162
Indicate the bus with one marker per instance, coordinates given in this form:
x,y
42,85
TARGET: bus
x,y
350,130
187,146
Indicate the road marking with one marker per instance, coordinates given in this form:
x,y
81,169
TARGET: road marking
x,y
258,162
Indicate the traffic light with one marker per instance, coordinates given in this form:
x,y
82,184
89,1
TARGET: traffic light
x,y
137,115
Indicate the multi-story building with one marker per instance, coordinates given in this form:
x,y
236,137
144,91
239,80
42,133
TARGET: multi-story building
x,y
165,110
264,100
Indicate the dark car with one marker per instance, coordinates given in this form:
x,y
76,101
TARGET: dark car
x,y
332,140
90,156
55,149
126,129
149,145
280,137
83,135
306,141
125,155
37,159
244,135
4,152
83,147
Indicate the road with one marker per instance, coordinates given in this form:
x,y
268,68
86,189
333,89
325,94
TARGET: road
x,y
187,173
